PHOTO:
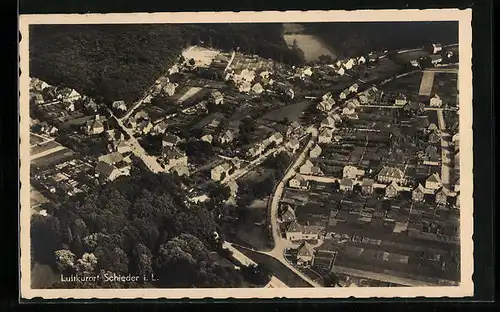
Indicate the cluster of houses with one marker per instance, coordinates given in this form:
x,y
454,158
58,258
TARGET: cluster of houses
x,y
391,179
65,177
249,82
163,87
260,147
220,172
112,166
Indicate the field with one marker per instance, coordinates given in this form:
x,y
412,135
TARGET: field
x,y
189,93
426,83
445,85
409,85
37,198
53,158
412,55
202,56
384,69
292,112
279,270
311,45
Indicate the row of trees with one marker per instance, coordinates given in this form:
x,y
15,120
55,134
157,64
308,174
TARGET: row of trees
x,y
119,62
136,225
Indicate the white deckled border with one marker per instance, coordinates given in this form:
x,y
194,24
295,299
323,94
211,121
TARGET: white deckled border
x,y
464,17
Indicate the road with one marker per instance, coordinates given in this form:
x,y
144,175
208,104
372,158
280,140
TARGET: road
x,y
281,244
244,260
230,61
138,150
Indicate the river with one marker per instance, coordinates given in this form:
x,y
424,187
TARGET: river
x,y
312,46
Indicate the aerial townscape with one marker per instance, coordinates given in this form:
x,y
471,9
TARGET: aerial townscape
x,y
236,168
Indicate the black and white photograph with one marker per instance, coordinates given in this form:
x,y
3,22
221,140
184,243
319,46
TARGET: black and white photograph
x,y
246,155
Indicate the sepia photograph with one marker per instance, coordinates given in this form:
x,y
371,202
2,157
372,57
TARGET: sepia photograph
x,y
246,155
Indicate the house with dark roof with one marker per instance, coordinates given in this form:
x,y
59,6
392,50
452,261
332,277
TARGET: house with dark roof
x,y
288,215
94,126
216,97
392,190
419,193
442,196
174,157
433,182
294,231
170,140
346,184
367,186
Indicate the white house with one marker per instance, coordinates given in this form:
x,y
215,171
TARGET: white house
x,y
293,145
341,71
352,172
299,182
436,59
207,138
227,137
436,101
119,105
315,152
349,63
354,88
245,87
361,60
400,100
436,47
343,95
326,136
290,94
433,182
95,126
306,168
257,88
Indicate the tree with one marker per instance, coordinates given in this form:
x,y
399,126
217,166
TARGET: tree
x,y
65,260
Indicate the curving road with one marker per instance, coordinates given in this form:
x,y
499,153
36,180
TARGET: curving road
x,y
280,244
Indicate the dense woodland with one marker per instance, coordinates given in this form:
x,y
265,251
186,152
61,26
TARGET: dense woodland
x,y
348,39
136,225
115,62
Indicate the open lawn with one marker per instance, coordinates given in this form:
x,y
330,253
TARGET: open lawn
x,y
53,158
292,112
383,70
408,85
37,198
279,270
189,93
201,56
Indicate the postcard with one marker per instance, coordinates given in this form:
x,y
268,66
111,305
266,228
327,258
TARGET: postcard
x,y
314,154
